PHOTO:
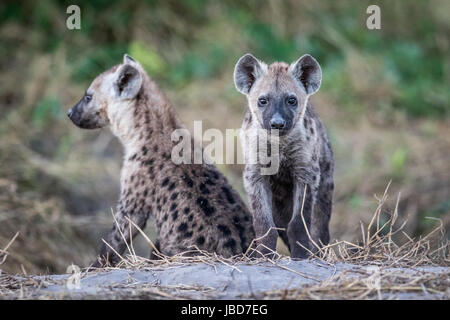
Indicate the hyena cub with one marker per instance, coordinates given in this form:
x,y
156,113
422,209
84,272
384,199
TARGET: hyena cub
x,y
278,97
193,205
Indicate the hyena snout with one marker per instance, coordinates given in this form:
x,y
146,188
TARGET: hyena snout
x,y
79,119
277,122
75,116
86,117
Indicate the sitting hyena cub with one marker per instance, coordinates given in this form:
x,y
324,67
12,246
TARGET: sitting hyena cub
x,y
278,100
193,205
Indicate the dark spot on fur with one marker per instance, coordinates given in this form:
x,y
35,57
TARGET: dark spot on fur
x,y
224,229
165,182
174,196
204,189
186,210
149,162
144,150
207,209
228,195
165,217
200,240
189,182
191,217
188,234
155,148
173,206
182,227
231,243
311,130
175,215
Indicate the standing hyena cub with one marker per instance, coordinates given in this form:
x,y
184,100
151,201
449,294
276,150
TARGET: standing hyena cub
x,y
278,100
192,204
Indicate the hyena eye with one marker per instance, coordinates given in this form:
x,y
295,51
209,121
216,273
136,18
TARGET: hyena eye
x,y
87,97
262,101
292,101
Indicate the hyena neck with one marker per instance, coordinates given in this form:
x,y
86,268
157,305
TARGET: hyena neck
x,y
150,119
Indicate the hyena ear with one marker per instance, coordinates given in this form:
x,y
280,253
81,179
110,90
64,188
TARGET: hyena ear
x,y
128,82
308,72
127,59
247,70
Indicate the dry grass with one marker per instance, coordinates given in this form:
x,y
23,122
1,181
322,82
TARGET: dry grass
x,y
377,245
371,285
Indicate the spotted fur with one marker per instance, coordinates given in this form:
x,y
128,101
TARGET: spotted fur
x,y
193,205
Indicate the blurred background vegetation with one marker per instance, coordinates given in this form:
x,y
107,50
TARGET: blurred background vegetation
x,y
384,99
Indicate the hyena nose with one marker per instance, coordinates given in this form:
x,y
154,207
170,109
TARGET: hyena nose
x,y
277,123
69,113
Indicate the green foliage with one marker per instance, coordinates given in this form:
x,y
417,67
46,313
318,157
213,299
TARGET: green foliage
x,y
45,111
398,161
201,64
92,63
148,58
183,46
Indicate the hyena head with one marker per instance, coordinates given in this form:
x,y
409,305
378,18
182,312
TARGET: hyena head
x,y
108,95
277,94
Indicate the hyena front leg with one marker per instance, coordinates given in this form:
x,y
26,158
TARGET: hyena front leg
x,y
119,237
260,199
296,228
322,213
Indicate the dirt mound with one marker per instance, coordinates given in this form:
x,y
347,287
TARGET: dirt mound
x,y
281,279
